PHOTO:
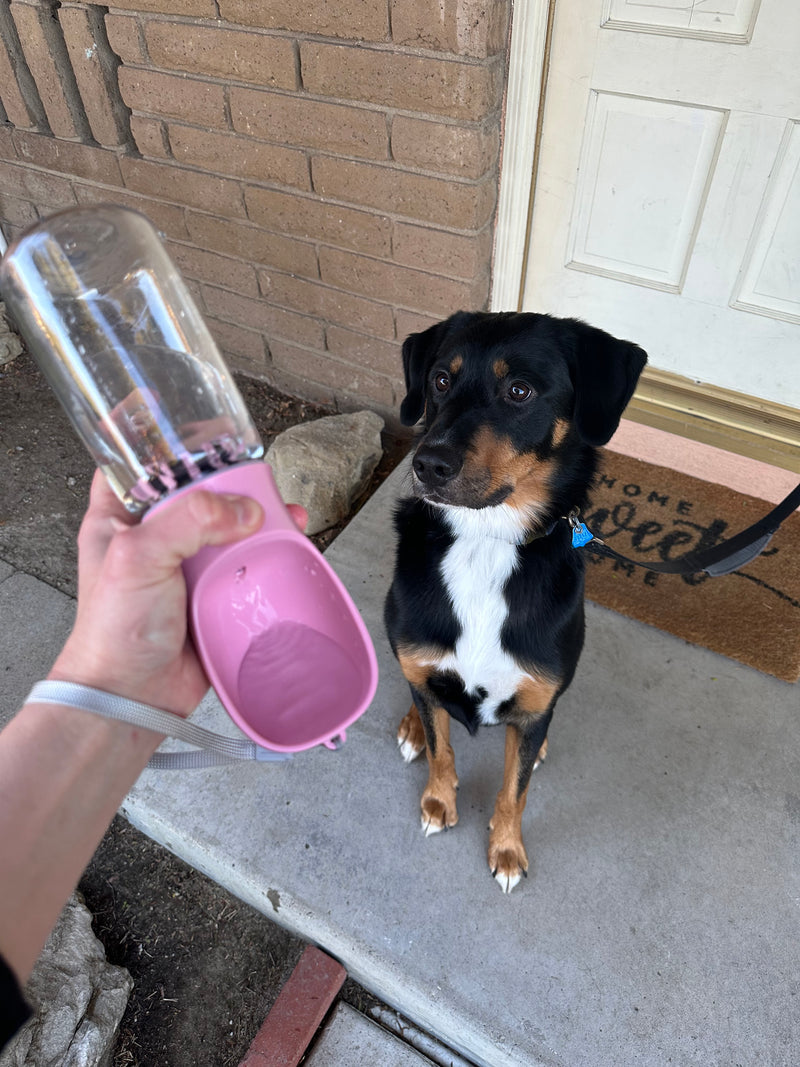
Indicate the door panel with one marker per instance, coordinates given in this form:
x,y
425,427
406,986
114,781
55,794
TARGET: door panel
x,y
644,158
731,20
667,200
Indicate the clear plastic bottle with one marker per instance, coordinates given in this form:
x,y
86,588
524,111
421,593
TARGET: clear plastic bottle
x,y
112,325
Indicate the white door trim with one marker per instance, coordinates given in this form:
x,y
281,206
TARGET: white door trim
x,y
529,30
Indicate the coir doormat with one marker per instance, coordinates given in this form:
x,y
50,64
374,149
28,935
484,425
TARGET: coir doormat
x,y
649,512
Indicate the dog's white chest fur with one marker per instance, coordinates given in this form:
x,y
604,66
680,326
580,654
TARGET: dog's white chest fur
x,y
475,570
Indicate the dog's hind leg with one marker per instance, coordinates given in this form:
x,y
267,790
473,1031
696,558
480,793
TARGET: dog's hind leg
x,y
525,749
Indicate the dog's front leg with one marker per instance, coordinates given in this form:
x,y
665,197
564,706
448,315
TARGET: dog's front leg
x,y
439,808
526,747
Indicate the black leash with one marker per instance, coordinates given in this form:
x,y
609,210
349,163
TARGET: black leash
x,y
723,558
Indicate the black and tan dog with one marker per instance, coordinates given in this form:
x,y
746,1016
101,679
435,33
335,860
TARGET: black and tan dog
x,y
485,612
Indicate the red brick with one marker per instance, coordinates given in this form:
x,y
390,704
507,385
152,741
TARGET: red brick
x,y
16,212
125,38
326,302
44,190
172,96
96,80
361,20
8,149
13,100
168,182
221,53
206,266
371,352
69,157
452,254
466,151
457,205
242,157
167,218
297,385
253,244
409,322
465,27
321,367
35,30
150,136
198,8
296,120
451,87
403,286
242,349
263,316
319,221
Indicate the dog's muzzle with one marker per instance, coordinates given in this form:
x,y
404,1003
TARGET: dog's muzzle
x,y
435,466
440,476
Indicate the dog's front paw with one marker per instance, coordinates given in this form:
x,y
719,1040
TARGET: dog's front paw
x,y
508,860
411,736
508,867
438,812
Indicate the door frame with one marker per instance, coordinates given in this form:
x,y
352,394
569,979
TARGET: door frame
x,y
736,422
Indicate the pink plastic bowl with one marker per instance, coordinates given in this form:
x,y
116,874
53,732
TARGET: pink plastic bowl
x,y
281,641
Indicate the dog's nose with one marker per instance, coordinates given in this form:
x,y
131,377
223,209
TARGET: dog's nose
x,y
436,465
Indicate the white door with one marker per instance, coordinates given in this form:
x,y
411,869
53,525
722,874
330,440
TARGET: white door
x,y
667,201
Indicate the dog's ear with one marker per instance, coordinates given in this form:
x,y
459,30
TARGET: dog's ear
x,y
604,375
418,351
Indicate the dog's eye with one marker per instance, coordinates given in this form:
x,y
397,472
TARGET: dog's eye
x,y
441,382
519,392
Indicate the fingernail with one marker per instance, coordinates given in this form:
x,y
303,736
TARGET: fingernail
x,y
247,511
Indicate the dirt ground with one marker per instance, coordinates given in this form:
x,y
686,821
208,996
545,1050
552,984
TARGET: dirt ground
x,y
206,967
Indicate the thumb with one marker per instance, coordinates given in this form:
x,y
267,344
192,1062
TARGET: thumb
x,y
181,528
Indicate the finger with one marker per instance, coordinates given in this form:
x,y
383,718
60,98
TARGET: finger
x,y
299,516
102,519
156,547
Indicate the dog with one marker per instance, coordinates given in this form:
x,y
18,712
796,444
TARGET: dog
x,y
485,611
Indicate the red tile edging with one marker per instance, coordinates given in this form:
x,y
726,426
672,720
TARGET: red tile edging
x,y
296,1015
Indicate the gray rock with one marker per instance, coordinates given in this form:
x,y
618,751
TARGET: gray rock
x,y
78,999
325,465
10,343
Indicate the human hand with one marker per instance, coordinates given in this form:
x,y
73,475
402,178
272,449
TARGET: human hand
x,y
130,635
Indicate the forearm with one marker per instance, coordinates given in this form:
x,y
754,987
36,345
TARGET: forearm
x,y
63,775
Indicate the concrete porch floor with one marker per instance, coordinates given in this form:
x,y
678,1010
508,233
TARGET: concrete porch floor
x,y
660,923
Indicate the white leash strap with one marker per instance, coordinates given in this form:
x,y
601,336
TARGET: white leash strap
x,y
210,749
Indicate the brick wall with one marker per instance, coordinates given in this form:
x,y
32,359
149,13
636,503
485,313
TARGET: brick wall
x,y
325,174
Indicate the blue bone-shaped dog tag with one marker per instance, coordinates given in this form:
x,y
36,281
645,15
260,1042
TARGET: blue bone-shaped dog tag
x,y
581,535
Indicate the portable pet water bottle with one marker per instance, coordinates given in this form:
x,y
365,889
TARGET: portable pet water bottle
x,y
114,329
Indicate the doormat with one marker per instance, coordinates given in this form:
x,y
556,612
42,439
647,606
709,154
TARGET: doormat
x,y
650,512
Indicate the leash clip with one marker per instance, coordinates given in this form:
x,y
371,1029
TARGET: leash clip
x,y
581,534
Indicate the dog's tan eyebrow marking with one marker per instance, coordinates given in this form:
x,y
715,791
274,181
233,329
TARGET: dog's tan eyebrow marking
x,y
456,363
500,368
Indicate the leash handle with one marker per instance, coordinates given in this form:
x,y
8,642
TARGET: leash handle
x,y
211,749
724,558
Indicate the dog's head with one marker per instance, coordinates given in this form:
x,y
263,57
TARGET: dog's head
x,y
512,403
